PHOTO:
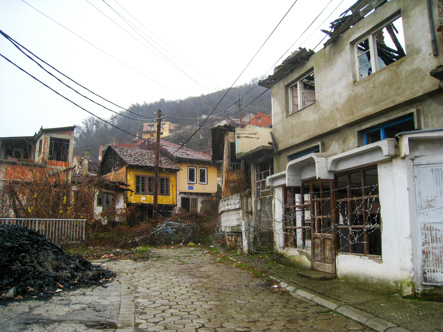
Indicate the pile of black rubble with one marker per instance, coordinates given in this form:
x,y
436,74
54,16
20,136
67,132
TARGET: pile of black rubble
x,y
31,265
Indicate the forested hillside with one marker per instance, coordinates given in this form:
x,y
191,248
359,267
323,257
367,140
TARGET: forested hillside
x,y
187,115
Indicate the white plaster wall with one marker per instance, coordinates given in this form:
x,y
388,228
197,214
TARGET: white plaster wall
x,y
395,263
278,208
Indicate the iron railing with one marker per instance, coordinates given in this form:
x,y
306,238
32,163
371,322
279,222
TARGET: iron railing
x,y
56,230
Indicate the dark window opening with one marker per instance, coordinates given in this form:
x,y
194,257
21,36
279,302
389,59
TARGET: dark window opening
x,y
203,175
144,184
389,129
59,149
164,186
234,163
192,174
314,149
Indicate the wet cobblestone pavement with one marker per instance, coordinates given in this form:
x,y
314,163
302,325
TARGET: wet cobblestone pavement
x,y
177,289
184,289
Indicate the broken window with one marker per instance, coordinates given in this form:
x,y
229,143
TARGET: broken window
x,y
358,212
203,175
59,149
192,174
388,129
302,93
380,49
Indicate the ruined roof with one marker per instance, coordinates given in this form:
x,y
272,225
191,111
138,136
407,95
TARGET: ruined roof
x,y
290,63
350,17
135,156
358,11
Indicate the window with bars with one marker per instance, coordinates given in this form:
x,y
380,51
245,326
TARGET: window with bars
x,y
358,212
297,217
348,209
262,171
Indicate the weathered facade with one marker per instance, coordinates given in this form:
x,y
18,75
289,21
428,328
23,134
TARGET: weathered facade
x,y
48,153
196,179
135,166
245,155
359,161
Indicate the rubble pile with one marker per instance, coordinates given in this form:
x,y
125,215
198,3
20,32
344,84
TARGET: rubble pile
x,y
31,265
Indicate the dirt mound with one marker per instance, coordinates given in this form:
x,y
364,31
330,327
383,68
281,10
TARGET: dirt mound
x,y
31,265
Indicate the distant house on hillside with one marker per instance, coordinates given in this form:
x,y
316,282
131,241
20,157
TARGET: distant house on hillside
x,y
150,129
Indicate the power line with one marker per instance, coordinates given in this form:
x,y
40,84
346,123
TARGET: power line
x,y
192,135
172,52
162,55
21,47
99,49
66,98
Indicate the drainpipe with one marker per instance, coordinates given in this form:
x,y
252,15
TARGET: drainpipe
x,y
432,26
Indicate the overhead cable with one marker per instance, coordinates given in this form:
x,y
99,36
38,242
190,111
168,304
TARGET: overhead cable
x,y
99,49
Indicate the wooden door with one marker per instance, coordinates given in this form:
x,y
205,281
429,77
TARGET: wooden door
x,y
322,225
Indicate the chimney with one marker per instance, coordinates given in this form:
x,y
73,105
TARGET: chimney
x,y
85,163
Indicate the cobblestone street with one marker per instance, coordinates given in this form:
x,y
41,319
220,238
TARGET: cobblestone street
x,y
177,289
185,290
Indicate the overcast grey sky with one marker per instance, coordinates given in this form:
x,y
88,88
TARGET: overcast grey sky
x,y
172,49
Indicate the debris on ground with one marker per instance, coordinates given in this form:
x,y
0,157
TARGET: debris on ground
x,y
31,265
170,232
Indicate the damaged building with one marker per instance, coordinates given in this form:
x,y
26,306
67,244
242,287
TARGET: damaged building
x,y
358,130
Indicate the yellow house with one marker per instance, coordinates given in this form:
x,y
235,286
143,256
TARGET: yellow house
x,y
196,179
135,166
150,129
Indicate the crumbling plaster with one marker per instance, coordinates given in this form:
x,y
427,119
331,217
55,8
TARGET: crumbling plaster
x,y
342,102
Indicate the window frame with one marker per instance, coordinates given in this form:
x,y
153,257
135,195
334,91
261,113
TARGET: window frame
x,y
59,149
382,127
147,183
356,204
164,189
205,169
299,88
194,169
373,52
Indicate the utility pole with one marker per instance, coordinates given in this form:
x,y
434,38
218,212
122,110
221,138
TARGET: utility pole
x,y
239,109
157,164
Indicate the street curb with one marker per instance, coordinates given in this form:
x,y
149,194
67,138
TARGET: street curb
x,y
367,319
